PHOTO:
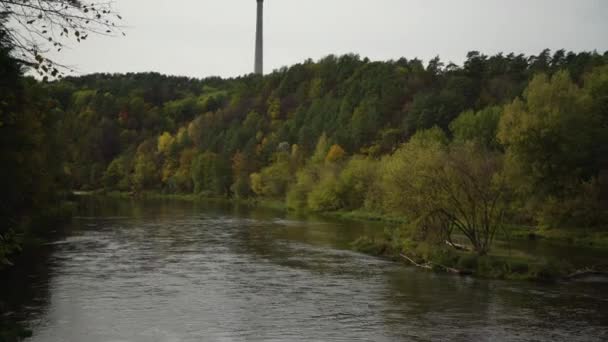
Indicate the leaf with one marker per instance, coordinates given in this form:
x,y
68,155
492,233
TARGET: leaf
x,y
29,22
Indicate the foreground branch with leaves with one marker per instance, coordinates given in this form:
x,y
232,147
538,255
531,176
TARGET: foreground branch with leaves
x,y
33,28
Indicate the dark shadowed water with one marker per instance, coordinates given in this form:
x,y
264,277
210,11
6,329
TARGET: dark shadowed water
x,y
174,271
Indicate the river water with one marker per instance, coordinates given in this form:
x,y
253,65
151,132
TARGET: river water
x,y
177,271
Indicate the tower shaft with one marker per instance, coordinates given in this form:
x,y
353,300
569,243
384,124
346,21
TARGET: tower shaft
x,y
259,39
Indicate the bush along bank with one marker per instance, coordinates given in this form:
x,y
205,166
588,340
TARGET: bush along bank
x,y
439,256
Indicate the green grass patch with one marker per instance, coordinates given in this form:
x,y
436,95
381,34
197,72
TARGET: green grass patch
x,y
363,215
582,237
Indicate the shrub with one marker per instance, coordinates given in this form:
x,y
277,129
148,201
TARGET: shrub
x,y
468,262
369,245
298,192
355,181
519,267
324,196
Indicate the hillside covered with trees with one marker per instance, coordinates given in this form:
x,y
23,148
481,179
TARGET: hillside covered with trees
x,y
504,138
501,139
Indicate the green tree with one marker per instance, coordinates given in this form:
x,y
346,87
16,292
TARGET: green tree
x,y
116,176
551,136
272,180
478,127
356,181
210,174
145,174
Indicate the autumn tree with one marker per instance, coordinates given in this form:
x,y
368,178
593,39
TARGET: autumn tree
x,y
443,189
335,153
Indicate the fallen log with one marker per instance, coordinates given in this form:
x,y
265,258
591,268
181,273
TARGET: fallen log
x,y
430,266
584,273
427,266
458,246
454,270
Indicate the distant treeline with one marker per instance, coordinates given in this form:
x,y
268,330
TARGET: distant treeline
x,y
503,138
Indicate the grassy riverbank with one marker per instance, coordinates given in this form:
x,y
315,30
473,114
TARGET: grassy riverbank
x,y
498,264
581,237
502,261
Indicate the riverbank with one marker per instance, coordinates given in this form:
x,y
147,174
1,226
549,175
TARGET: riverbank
x,y
500,263
24,240
503,262
32,231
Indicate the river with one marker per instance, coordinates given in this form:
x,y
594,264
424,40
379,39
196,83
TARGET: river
x,y
179,271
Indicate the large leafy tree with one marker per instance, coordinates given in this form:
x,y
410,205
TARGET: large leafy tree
x,y
551,135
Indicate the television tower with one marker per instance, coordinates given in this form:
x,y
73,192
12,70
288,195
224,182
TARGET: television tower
x,y
259,40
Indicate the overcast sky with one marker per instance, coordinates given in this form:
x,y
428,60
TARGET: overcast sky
x,y
202,38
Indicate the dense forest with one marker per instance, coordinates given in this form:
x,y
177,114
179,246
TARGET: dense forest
x,y
500,139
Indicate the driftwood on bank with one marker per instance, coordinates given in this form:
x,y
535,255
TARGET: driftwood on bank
x,y
457,246
586,273
430,266
427,265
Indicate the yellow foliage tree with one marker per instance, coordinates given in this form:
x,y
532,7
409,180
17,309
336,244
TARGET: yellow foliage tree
x,y
164,142
336,153
274,108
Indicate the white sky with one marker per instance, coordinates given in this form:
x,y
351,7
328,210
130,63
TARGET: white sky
x,y
202,38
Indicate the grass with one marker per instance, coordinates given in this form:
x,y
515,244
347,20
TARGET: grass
x,y
363,215
581,237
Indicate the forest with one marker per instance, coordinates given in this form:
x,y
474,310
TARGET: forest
x,y
465,149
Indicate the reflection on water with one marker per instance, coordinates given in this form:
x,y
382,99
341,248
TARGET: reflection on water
x,y
185,272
